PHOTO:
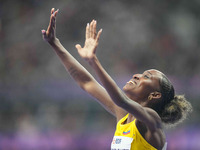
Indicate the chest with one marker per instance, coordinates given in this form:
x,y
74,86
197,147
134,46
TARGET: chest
x,y
128,137
123,138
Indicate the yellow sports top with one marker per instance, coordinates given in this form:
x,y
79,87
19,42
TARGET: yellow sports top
x,y
127,137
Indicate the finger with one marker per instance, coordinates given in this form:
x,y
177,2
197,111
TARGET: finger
x,y
52,10
51,22
87,31
44,34
98,35
95,29
91,28
55,13
78,47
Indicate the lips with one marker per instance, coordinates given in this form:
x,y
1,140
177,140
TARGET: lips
x,y
132,82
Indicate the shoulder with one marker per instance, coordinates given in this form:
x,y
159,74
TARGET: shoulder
x,y
152,133
153,114
154,121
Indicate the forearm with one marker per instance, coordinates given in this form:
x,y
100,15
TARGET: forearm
x,y
73,67
109,84
116,94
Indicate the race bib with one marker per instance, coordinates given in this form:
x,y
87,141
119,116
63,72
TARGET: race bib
x,y
121,143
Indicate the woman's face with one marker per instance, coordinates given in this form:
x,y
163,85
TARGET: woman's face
x,y
141,85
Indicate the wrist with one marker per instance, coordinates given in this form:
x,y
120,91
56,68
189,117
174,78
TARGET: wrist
x,y
93,61
54,42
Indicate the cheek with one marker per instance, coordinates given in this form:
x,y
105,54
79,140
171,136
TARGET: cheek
x,y
144,90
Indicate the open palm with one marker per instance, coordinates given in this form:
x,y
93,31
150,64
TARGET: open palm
x,y
91,41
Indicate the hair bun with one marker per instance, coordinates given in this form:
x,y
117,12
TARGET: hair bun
x,y
176,111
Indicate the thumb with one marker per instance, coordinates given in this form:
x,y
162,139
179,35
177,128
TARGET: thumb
x,y
78,47
43,33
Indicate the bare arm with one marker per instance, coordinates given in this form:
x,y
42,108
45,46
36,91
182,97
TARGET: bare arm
x,y
83,78
143,114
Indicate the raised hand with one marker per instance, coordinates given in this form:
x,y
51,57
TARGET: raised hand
x,y
91,41
50,34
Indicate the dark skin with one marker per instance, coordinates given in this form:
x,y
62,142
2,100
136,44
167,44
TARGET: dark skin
x,y
134,99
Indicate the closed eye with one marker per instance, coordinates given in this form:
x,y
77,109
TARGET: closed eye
x,y
146,76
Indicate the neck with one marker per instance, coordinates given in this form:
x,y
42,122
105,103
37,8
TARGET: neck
x,y
145,103
157,106
139,100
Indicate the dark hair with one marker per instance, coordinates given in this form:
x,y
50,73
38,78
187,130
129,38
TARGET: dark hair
x,y
174,108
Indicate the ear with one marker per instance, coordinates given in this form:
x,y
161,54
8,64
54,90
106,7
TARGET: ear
x,y
155,95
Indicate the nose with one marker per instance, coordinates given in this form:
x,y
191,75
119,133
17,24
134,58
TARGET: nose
x,y
136,76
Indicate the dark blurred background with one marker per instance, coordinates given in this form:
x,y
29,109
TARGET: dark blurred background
x,y
42,108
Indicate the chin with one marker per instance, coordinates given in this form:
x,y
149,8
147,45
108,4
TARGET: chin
x,y
125,88
130,95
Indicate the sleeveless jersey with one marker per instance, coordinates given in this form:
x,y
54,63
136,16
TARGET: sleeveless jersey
x,y
127,137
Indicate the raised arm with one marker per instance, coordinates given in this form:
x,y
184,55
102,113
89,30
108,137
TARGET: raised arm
x,y
146,115
83,78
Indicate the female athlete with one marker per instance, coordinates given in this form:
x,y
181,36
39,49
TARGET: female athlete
x,y
147,102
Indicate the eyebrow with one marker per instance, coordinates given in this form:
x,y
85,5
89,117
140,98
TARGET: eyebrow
x,y
149,72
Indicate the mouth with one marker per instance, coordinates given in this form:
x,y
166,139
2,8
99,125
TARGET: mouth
x,y
131,82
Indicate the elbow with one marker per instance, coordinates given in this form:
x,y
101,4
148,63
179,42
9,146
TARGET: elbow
x,y
62,54
87,85
121,102
118,103
85,82
119,98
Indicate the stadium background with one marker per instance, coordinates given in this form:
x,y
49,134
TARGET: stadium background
x,y
41,107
